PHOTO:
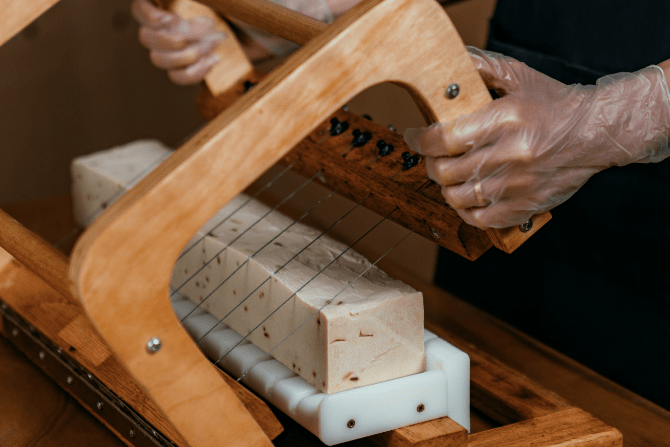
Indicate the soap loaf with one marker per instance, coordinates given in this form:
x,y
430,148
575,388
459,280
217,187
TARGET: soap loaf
x,y
319,307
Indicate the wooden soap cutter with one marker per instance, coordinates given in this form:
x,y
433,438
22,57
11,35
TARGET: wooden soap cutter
x,y
175,388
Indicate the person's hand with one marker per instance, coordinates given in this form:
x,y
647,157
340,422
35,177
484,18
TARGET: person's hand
x,y
182,47
535,147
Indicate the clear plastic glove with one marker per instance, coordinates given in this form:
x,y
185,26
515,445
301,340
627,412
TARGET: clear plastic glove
x,y
535,147
183,47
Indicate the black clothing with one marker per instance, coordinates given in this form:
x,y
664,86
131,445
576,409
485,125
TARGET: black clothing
x,y
594,283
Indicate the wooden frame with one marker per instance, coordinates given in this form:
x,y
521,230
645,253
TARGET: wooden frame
x,y
120,269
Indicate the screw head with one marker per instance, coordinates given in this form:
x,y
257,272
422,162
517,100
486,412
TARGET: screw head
x,y
69,380
99,405
41,355
59,351
131,433
153,345
420,408
351,423
526,227
452,91
15,332
346,108
392,128
3,306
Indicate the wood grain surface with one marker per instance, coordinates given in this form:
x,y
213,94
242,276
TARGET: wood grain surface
x,y
17,14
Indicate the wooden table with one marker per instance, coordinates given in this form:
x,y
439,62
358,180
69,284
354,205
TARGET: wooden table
x,y
641,422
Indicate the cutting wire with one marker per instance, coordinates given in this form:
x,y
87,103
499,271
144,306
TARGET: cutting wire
x,y
297,291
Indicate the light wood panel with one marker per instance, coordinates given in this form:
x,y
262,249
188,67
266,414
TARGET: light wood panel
x,y
17,14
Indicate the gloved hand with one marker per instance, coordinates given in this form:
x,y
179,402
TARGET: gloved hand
x,y
535,147
183,47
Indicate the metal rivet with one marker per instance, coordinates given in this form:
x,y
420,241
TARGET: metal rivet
x,y
392,128
131,433
420,408
69,380
526,227
351,423
15,332
41,355
99,405
452,91
153,345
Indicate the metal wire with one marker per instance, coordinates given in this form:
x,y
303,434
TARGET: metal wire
x,y
284,265
269,353
284,200
297,291
305,214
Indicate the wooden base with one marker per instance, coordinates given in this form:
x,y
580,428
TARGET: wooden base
x,y
538,417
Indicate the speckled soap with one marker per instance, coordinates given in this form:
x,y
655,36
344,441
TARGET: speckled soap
x,y
348,323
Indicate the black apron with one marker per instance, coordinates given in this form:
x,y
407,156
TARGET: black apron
x,y
594,283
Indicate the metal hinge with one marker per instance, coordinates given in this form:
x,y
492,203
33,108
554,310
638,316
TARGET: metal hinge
x,y
81,384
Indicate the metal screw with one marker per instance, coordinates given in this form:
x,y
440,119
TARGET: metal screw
x,y
69,380
420,408
452,91
99,405
59,351
392,128
131,433
153,345
15,332
351,423
41,355
3,306
346,108
526,227
435,233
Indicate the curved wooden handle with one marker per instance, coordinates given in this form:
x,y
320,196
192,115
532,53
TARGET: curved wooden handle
x,y
121,267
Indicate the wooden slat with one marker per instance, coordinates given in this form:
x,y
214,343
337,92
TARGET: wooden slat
x,y
275,19
33,252
568,428
438,433
66,325
17,14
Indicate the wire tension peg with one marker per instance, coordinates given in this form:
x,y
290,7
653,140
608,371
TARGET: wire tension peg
x,y
248,85
410,161
337,127
360,138
384,148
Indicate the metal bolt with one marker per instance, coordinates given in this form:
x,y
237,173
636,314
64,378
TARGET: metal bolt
x,y
526,227
452,91
131,433
351,423
153,345
99,405
420,408
69,380
41,355
15,332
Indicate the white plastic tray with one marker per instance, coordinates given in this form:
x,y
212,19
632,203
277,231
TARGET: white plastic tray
x,y
442,390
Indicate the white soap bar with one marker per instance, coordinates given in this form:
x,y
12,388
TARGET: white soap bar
x,y
354,325
348,326
100,178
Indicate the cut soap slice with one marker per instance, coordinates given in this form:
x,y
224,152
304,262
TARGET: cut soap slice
x,y
371,332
